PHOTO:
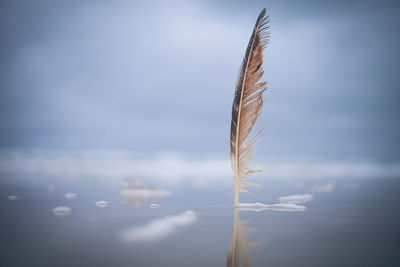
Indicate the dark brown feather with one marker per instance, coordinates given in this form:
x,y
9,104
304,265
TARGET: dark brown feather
x,y
247,103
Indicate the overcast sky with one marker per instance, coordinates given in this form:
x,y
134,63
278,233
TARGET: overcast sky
x,y
160,76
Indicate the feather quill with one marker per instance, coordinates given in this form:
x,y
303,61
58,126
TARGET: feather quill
x,y
247,105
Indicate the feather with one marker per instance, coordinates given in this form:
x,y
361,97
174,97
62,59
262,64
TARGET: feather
x,y
247,105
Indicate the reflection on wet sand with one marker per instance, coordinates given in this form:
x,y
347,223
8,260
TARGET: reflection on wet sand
x,y
157,229
154,206
277,207
134,193
101,204
325,188
70,195
294,199
61,211
238,254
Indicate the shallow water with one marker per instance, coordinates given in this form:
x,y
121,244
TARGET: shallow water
x,y
60,220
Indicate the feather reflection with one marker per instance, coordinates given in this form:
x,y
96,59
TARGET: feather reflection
x,y
238,254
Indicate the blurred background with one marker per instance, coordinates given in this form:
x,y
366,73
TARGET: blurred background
x,y
155,76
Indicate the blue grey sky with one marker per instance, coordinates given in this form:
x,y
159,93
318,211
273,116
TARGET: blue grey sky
x,y
151,76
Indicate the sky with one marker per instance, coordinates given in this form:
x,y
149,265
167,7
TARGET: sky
x,y
158,75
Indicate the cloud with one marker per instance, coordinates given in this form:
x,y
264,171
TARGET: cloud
x,y
62,77
157,229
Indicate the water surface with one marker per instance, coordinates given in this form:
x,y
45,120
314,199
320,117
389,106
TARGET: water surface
x,y
66,219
